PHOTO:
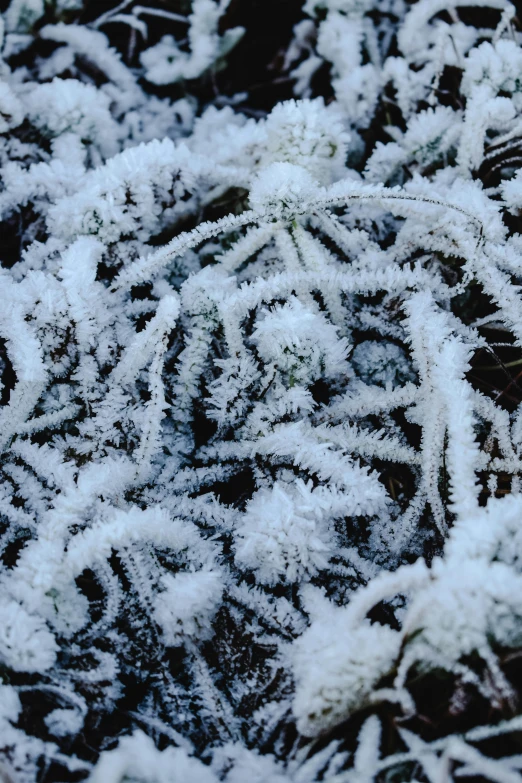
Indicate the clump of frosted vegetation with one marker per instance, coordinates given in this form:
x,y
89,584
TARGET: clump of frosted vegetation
x,y
260,420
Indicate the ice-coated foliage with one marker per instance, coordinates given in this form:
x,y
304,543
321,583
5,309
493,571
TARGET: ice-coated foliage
x,y
260,400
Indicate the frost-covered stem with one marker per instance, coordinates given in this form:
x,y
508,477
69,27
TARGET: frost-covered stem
x,y
140,10
443,361
145,268
498,285
385,585
14,416
48,420
343,192
153,414
108,14
144,345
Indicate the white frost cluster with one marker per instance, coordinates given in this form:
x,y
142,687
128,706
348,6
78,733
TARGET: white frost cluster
x,y
186,606
11,108
282,188
337,669
284,535
136,758
26,645
307,134
127,196
68,106
302,343
304,133
166,62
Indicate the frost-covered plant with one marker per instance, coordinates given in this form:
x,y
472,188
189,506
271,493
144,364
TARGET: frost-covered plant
x,y
260,488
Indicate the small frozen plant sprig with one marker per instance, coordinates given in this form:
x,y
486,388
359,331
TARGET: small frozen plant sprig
x,y
301,342
283,536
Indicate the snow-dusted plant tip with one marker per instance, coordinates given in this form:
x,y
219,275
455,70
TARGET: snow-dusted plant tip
x,y
260,391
